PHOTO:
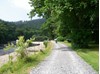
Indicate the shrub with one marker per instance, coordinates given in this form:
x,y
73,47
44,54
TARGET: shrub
x,y
40,38
60,38
69,40
29,41
20,46
45,43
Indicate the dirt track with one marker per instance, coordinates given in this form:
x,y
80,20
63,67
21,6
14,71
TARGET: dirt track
x,y
63,60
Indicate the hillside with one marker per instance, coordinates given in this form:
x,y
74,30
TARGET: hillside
x,y
36,24
10,31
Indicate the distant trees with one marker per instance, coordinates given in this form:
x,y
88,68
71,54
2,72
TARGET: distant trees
x,y
9,31
77,19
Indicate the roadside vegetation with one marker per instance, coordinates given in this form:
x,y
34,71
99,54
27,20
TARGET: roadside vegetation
x,y
25,63
90,54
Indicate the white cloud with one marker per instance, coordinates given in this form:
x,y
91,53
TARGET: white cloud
x,y
21,4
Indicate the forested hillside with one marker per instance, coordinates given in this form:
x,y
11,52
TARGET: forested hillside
x,y
36,24
10,31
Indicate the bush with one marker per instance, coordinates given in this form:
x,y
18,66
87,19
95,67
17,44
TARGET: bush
x,y
60,38
69,40
29,41
21,45
45,43
40,38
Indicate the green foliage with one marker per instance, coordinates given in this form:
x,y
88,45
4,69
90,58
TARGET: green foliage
x,y
23,66
91,56
80,41
9,46
45,43
40,38
20,46
49,29
9,31
29,41
60,38
6,32
34,24
79,19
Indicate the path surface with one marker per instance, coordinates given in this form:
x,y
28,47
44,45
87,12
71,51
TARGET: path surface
x,y
63,61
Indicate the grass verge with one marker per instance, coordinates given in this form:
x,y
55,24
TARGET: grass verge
x,y
24,66
90,55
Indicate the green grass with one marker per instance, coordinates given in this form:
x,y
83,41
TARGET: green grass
x,y
24,66
90,55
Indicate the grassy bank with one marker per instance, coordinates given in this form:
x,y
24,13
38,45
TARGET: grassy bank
x,y
90,55
24,66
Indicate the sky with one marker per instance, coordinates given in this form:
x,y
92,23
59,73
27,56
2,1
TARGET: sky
x,y
15,10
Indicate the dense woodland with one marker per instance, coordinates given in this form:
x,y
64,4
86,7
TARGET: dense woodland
x,y
9,31
77,20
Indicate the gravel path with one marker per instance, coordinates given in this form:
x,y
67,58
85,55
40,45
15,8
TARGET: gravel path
x,y
63,61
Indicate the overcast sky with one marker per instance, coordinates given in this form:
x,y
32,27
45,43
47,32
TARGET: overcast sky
x,y
15,10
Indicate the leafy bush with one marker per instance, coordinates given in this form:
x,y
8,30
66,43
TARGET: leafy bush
x,y
60,38
40,38
45,43
69,40
29,41
20,46
22,66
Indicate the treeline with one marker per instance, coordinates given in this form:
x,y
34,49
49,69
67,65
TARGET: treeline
x,y
69,19
9,31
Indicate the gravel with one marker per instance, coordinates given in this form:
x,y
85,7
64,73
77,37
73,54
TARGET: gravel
x,y
63,60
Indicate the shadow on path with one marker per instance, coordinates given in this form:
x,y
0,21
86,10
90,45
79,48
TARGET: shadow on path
x,y
64,49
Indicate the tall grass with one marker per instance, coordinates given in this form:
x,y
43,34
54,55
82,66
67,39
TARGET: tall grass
x,y
24,66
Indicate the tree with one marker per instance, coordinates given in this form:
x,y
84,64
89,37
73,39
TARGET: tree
x,y
77,18
49,29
